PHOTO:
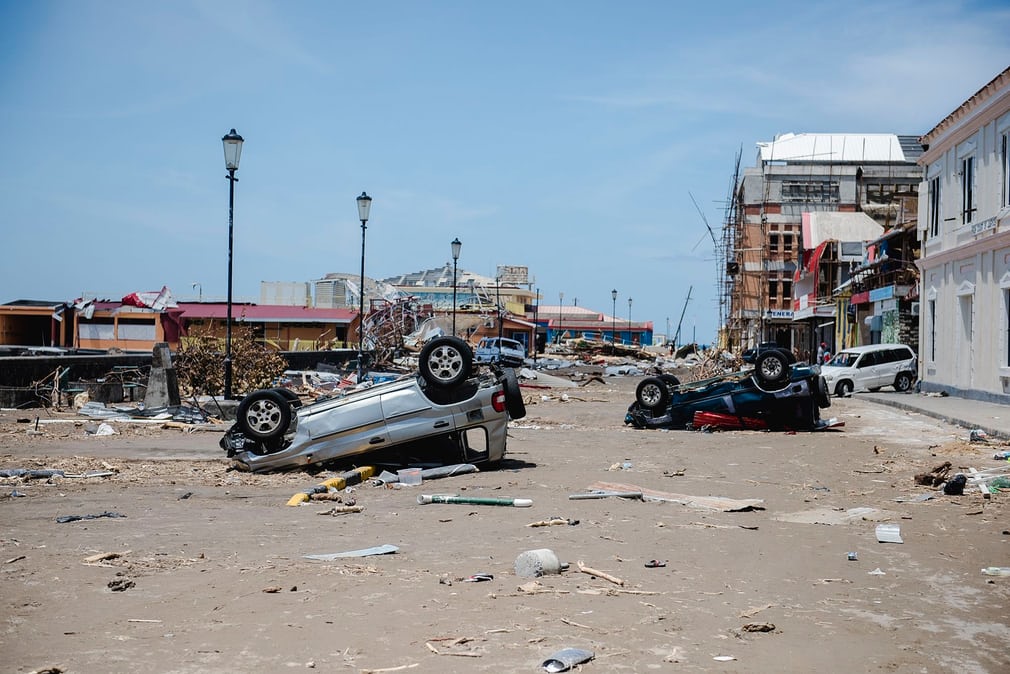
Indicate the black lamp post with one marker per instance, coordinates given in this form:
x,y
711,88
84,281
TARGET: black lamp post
x,y
613,322
631,333
561,316
364,205
232,153
456,245
497,293
536,327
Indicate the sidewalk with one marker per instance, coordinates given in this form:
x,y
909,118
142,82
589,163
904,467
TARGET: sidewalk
x,y
992,418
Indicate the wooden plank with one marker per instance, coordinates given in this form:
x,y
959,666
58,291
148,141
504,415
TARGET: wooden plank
x,y
978,480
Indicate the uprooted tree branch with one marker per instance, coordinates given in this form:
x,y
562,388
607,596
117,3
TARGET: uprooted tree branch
x,y
199,362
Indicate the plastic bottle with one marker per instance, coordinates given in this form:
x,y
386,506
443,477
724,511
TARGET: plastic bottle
x,y
996,570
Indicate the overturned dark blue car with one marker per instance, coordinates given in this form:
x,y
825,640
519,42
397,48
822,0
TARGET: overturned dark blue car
x,y
777,394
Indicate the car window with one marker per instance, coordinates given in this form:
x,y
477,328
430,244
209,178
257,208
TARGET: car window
x,y
868,359
844,359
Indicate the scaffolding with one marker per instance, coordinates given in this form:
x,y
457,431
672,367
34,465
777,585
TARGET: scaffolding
x,y
728,265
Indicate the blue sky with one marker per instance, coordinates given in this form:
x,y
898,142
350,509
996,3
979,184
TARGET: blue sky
x,y
567,136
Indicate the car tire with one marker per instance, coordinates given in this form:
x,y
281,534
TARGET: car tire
x,y
264,415
823,399
446,362
670,380
903,382
772,368
789,355
652,393
514,403
843,389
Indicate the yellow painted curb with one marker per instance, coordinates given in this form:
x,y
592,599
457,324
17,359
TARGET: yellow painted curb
x,y
339,483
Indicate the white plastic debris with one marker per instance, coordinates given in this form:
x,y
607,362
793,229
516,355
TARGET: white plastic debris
x,y
105,429
889,533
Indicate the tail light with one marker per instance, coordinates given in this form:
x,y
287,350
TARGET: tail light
x,y
498,401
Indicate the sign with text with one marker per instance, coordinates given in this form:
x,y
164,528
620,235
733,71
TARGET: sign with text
x,y
513,275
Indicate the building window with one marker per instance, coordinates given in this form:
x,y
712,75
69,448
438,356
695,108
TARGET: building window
x,y
934,207
787,290
773,291
810,191
967,190
1006,325
932,331
788,243
1006,169
773,244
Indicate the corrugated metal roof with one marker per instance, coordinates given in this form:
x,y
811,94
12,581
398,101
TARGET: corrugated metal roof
x,y
835,147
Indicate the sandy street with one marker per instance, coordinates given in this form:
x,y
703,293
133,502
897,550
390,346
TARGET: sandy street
x,y
209,572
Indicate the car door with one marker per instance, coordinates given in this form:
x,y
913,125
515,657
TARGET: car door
x,y
410,416
895,359
346,426
866,375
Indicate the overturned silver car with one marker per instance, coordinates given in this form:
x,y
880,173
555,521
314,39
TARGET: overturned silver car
x,y
448,407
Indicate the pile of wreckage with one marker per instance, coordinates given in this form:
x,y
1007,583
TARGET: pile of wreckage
x,y
565,364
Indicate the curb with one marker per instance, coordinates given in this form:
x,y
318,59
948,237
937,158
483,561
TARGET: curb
x,y
339,483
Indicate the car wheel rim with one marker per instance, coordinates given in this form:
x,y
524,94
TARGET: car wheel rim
x,y
771,369
445,363
263,416
651,395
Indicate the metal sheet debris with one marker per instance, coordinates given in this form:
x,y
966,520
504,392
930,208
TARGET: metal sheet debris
x,y
385,549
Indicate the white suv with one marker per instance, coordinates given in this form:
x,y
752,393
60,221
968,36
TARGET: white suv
x,y
861,368
508,352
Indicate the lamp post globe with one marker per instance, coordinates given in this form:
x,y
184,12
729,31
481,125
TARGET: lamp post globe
x,y
456,244
364,207
232,154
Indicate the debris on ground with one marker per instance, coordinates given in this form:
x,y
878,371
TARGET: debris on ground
x,y
121,584
77,518
386,549
718,503
936,476
566,659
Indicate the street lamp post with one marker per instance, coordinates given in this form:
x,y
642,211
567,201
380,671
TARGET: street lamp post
x,y
631,333
536,318
497,293
364,205
456,245
613,322
232,153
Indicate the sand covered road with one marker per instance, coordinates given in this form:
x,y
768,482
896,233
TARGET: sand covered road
x,y
211,571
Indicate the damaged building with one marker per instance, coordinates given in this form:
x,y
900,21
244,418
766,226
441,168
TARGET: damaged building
x,y
799,225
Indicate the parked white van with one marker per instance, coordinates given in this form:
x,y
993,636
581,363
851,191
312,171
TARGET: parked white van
x,y
869,368
508,352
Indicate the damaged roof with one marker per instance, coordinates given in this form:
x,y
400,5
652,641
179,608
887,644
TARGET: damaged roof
x,y
261,313
823,148
439,277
